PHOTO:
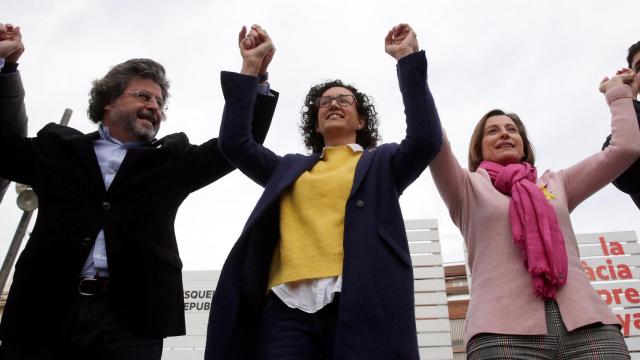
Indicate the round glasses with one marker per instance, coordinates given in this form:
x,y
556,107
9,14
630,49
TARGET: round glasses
x,y
146,98
342,100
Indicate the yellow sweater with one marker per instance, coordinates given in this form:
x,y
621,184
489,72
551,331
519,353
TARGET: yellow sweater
x,y
312,219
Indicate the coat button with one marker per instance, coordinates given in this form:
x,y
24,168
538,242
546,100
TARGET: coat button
x,y
86,241
360,203
106,205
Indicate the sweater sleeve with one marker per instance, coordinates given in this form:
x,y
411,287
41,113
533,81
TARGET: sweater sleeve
x,y
629,181
451,180
593,173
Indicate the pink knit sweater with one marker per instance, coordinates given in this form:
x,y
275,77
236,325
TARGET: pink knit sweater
x,y
502,299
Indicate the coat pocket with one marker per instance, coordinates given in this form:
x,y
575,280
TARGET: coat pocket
x,y
395,246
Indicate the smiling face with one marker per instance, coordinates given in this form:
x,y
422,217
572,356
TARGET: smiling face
x,y
338,124
501,142
130,119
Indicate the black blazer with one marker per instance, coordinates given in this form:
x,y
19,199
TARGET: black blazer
x,y
376,319
17,127
137,214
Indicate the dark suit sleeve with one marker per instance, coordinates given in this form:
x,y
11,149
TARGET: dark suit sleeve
x,y
205,164
629,181
16,151
241,103
423,135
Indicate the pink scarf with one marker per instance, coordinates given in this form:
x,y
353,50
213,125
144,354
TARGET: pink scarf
x,y
534,226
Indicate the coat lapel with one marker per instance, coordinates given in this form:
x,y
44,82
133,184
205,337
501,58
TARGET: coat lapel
x,y
361,169
128,163
289,170
83,147
293,169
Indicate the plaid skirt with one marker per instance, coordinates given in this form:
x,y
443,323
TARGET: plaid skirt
x,y
595,341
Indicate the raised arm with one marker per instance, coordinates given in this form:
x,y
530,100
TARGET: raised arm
x,y
629,181
240,94
593,173
450,179
13,118
207,162
423,135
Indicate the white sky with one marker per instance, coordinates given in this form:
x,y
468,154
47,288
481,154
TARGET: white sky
x,y
541,59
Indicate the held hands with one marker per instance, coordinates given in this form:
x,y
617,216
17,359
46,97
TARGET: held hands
x,y
623,76
256,49
401,41
11,46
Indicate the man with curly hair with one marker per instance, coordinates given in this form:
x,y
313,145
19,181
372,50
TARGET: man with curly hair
x,y
629,181
322,269
101,277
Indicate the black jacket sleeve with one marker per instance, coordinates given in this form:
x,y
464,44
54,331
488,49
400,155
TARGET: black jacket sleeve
x,y
13,116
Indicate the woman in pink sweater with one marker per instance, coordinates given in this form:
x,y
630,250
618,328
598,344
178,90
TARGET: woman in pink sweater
x,y
543,307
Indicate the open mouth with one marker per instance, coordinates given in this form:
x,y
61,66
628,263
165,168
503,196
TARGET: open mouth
x,y
334,116
505,146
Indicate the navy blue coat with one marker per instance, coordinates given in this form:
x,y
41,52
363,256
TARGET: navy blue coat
x,y
376,318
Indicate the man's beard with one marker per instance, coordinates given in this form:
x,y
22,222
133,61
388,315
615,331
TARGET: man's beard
x,y
133,127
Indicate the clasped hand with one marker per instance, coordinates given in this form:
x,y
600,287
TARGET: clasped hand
x,y
401,41
622,76
256,49
11,46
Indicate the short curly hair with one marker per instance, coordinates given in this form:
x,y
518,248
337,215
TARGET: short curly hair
x,y
112,85
366,137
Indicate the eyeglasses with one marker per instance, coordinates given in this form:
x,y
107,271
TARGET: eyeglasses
x,y
146,98
342,100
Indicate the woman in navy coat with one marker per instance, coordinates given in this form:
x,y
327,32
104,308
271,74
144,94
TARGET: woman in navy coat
x,y
366,311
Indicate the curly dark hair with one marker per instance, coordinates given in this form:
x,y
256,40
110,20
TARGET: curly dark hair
x,y
633,50
111,86
366,137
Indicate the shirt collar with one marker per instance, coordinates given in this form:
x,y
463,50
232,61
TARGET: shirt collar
x,y
354,147
104,135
